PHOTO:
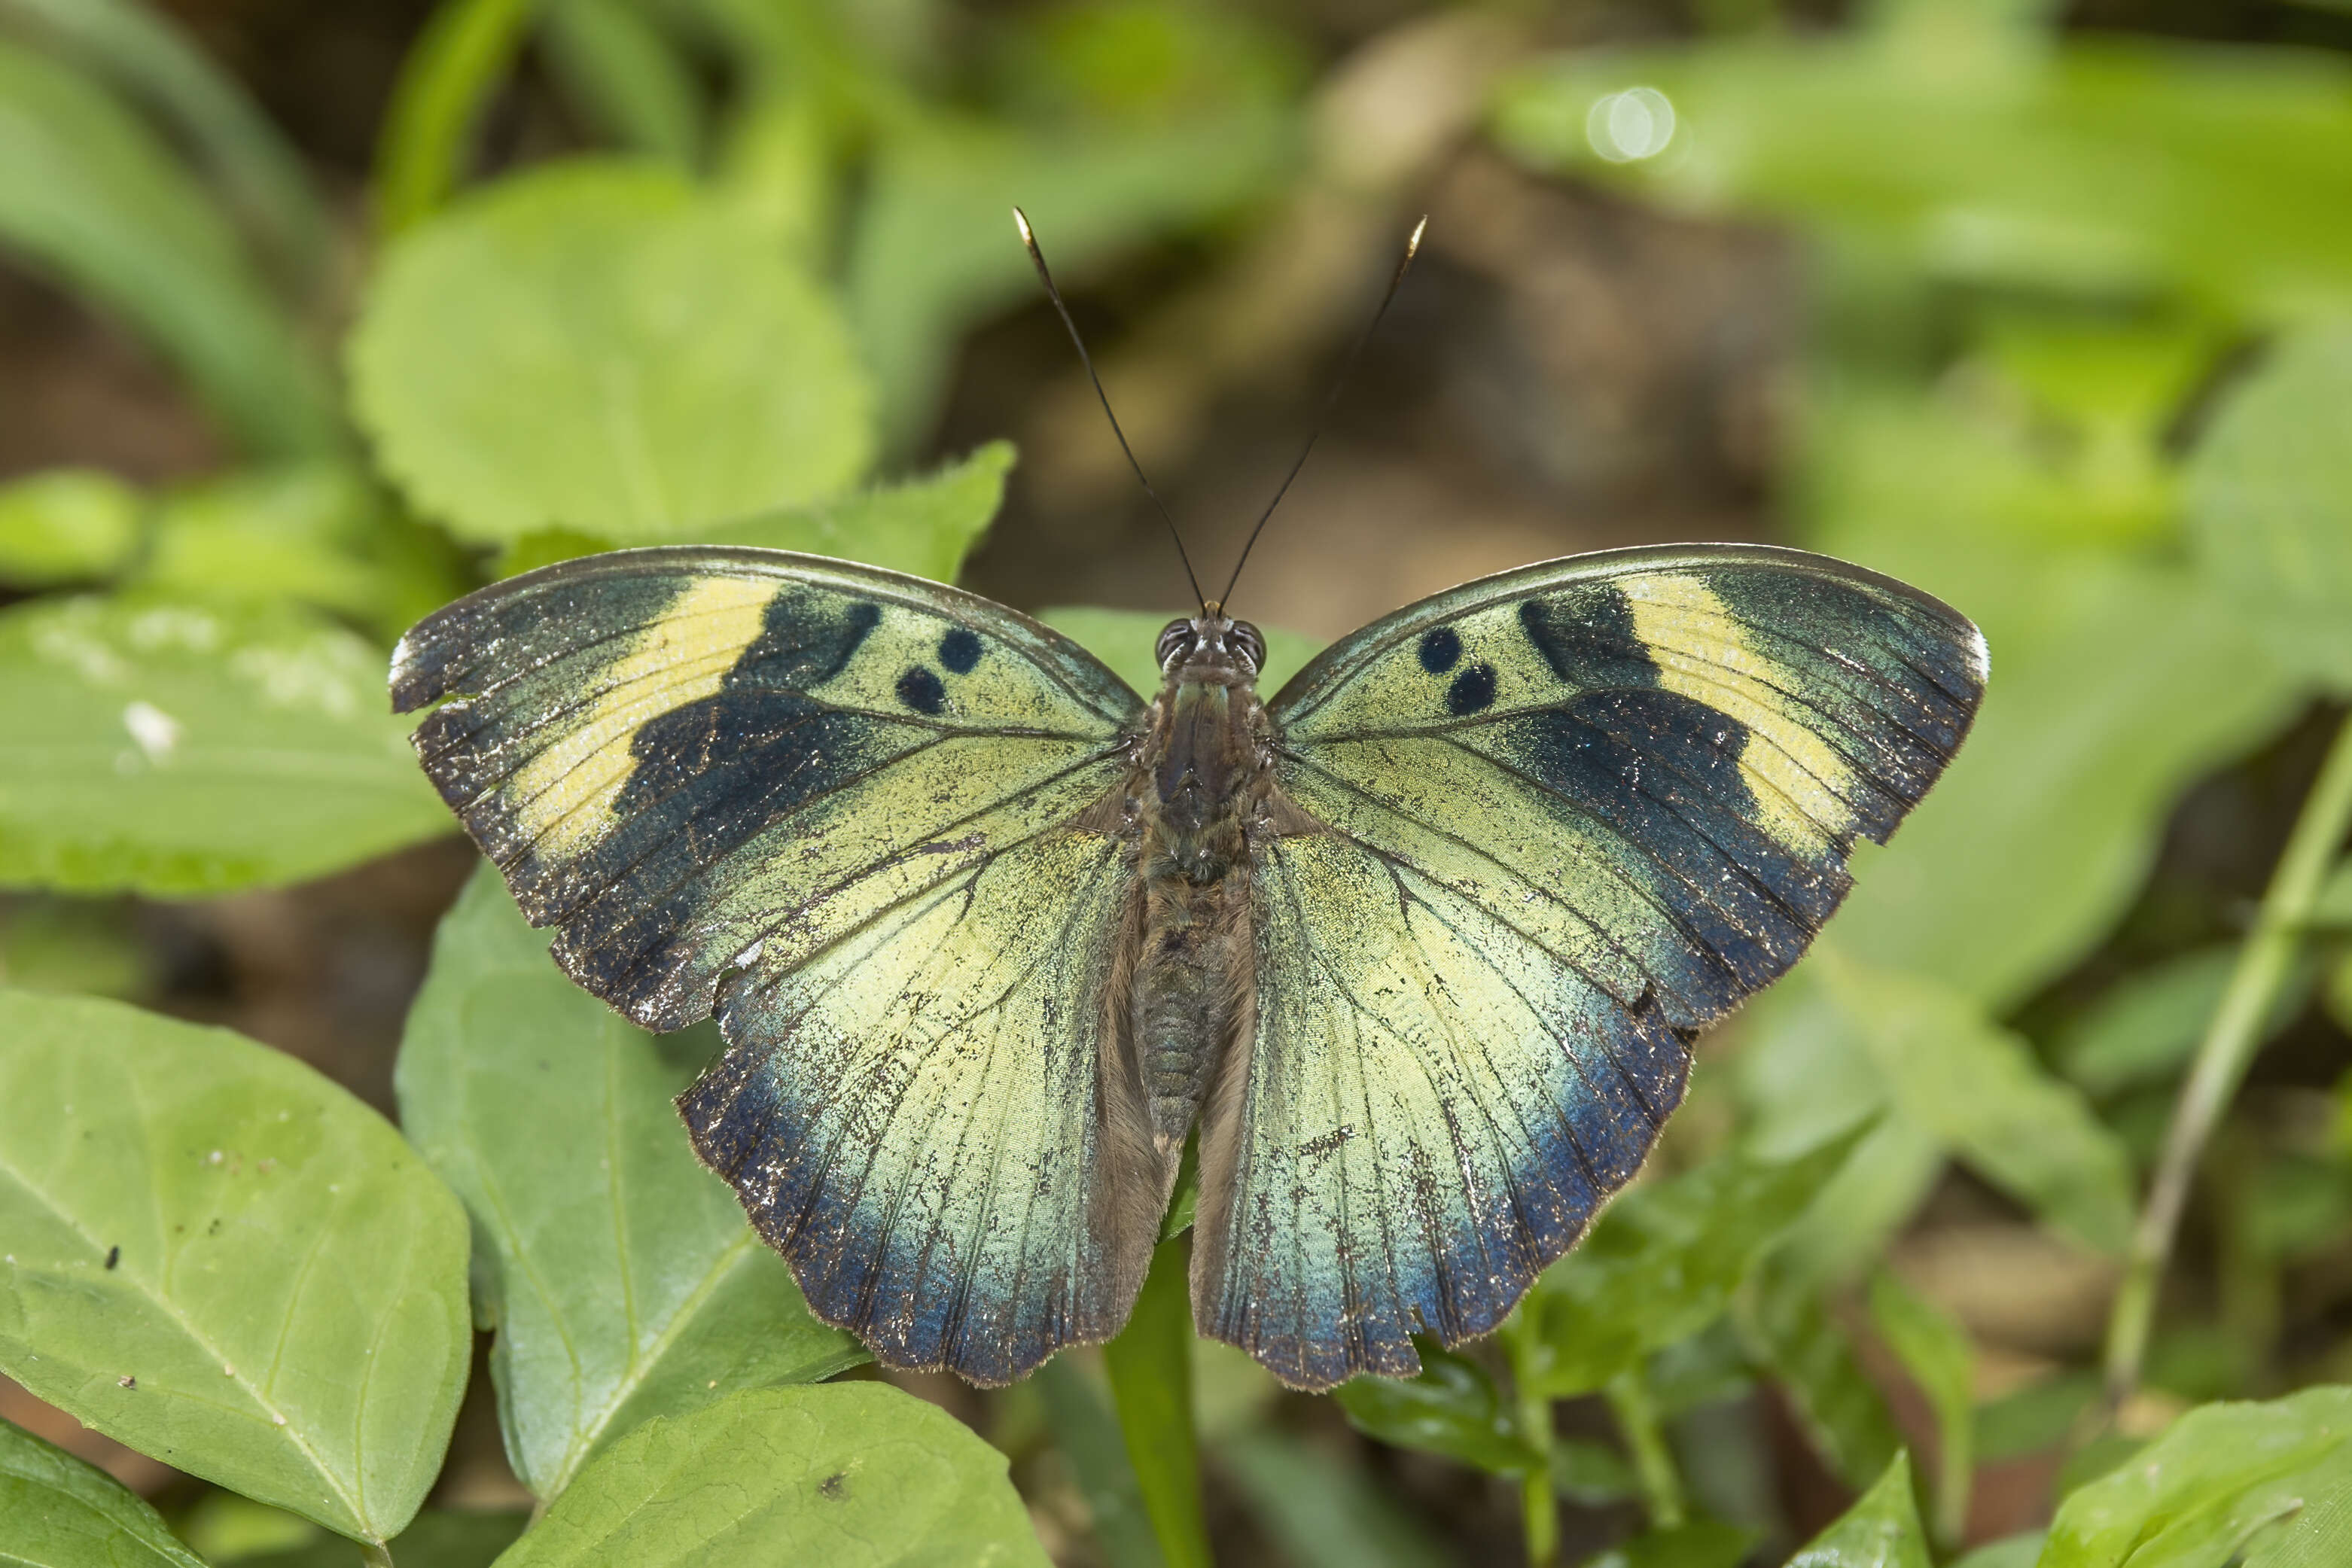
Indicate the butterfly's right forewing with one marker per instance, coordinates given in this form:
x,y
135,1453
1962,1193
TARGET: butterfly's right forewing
x,y
858,815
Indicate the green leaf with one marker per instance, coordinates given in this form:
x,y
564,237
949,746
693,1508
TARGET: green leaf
x,y
2021,164
1787,1329
2118,682
90,194
66,525
213,1255
1977,1088
434,1539
1321,1511
619,1274
57,1512
1880,1530
1452,1408
316,534
464,52
1663,1261
2010,1551
1591,1473
936,248
144,52
173,747
847,1474
2269,490
2035,1418
2146,1027
1934,1351
1087,1437
2266,1485
1124,639
596,346
617,65
1701,1544
1150,1366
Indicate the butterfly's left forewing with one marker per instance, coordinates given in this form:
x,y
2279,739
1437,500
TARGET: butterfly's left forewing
x,y
1549,826
849,811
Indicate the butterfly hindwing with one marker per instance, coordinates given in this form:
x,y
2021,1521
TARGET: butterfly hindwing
x,y
841,808
1565,819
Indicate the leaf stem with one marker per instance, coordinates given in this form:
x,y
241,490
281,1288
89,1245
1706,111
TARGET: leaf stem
x,y
1654,1464
1150,1368
375,1554
1538,1508
2265,961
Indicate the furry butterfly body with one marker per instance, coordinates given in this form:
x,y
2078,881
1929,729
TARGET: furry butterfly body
x,y
1418,947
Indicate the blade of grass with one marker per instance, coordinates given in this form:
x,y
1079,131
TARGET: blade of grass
x,y
1089,1440
2264,963
1151,1367
463,53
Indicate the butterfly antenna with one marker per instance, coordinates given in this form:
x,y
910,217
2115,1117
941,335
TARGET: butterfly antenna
x,y
1411,248
1029,239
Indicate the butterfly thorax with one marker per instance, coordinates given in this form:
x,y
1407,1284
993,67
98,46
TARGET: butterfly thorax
x,y
1200,777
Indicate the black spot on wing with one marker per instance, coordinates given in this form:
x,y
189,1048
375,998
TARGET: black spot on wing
x,y
1585,633
1473,691
1441,649
920,689
1663,772
959,650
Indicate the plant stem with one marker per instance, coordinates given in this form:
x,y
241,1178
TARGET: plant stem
x,y
1653,1465
1150,1368
375,1554
1538,1508
2231,1039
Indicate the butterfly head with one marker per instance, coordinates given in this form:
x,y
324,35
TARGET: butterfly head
x,y
1211,648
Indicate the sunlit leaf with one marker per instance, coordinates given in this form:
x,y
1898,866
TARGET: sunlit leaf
x,y
2270,488
1880,1530
597,346
2022,164
213,1255
1123,640
2266,1485
91,195
58,1512
1663,1262
850,1474
1453,1408
618,1273
175,748
66,525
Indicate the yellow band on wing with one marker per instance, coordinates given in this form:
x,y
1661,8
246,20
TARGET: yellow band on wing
x,y
564,796
1793,773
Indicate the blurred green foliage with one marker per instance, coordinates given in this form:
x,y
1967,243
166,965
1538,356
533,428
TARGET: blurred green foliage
x,y
2077,357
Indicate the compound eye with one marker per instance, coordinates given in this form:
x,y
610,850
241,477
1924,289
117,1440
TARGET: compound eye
x,y
1249,643
1175,639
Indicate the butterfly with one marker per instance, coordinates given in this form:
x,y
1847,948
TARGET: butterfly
x,y
1418,949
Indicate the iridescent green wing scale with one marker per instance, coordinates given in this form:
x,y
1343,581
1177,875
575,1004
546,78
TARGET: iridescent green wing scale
x,y
1568,817
843,808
